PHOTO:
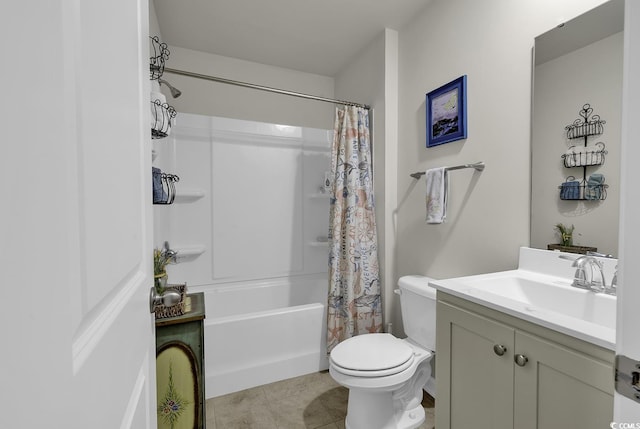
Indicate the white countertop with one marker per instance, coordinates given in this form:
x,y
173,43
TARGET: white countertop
x,y
556,305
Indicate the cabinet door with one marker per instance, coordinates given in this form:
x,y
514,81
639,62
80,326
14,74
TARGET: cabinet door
x,y
560,388
474,384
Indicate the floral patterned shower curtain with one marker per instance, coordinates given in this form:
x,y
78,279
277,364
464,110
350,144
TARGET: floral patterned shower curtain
x,y
354,285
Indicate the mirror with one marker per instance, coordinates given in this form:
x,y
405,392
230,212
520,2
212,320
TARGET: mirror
x,y
575,64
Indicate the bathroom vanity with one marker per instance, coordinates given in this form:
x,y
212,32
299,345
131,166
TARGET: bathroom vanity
x,y
508,359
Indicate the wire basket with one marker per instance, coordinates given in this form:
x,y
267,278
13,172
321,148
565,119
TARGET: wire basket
x,y
162,118
573,189
584,157
159,55
589,125
164,186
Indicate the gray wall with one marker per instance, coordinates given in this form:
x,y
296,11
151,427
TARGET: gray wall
x,y
491,42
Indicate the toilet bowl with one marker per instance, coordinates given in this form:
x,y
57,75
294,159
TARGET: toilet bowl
x,y
385,375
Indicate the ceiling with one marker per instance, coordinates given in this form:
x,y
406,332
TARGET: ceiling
x,y
313,36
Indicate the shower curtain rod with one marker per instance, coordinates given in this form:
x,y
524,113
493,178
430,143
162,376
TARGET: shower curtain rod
x,y
263,88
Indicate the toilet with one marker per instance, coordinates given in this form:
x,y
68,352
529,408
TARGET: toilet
x,y
385,375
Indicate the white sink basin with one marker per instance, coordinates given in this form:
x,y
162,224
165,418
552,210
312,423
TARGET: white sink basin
x,y
550,294
547,300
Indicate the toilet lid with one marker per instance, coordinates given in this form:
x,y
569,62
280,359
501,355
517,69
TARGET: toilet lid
x,y
373,352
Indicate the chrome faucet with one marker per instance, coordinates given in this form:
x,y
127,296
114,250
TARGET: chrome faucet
x,y
589,274
613,288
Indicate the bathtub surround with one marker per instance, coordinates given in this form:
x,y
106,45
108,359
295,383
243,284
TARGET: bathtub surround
x,y
248,224
354,305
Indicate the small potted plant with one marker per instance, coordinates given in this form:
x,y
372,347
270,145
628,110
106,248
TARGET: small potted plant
x,y
161,258
566,234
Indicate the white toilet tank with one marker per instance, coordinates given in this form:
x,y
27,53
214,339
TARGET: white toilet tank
x,y
418,309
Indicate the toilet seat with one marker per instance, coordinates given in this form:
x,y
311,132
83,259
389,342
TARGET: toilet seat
x,y
372,355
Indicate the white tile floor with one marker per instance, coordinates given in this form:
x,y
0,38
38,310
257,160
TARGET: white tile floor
x,y
309,401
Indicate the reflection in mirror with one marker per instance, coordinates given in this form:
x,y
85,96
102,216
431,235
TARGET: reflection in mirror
x,y
577,63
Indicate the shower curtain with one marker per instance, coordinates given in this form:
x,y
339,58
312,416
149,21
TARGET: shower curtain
x,y
354,304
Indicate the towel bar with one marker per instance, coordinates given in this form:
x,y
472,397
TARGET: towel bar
x,y
478,166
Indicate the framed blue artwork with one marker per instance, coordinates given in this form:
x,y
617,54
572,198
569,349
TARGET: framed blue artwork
x,y
447,113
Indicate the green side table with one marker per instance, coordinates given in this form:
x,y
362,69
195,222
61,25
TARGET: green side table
x,y
179,367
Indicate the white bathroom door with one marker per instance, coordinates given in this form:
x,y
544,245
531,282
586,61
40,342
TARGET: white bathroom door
x,y
77,346
628,328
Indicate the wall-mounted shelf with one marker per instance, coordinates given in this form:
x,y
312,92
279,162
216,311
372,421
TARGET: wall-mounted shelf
x,y
587,126
189,195
188,253
591,188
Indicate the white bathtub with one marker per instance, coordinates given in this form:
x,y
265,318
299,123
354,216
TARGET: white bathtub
x,y
260,332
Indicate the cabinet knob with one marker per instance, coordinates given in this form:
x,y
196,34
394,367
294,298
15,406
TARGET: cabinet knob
x,y
499,349
521,360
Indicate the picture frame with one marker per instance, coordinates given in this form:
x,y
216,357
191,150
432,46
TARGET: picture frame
x,y
447,112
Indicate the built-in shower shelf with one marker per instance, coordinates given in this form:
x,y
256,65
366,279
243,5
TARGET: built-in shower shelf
x,y
188,253
189,195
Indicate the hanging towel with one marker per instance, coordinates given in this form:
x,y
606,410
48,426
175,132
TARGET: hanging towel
x,y
159,195
593,190
437,189
571,157
570,190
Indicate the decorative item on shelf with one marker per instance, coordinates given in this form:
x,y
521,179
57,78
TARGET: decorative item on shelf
x,y
587,125
159,55
162,258
572,249
162,311
164,186
160,282
162,119
584,156
566,234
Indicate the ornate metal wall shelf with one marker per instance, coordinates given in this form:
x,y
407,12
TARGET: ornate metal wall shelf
x,y
591,188
159,55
